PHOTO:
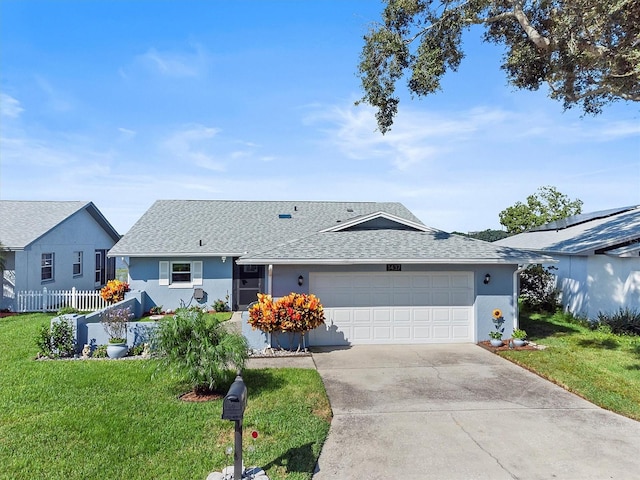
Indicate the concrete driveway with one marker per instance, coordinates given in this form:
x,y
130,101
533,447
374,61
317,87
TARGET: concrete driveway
x,y
459,412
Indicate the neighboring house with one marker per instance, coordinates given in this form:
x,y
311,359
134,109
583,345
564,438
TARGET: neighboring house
x,y
381,274
57,245
598,257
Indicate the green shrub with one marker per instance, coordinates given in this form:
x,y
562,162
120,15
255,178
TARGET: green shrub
x,y
99,352
537,289
58,340
624,321
220,305
198,349
136,350
67,311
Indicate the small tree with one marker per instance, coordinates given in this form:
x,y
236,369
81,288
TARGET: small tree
x,y
56,340
293,313
544,206
538,289
114,321
198,349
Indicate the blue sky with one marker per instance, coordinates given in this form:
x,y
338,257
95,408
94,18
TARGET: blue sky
x,y
126,102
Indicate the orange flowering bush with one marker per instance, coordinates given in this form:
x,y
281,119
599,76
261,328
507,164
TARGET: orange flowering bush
x,y
114,291
294,313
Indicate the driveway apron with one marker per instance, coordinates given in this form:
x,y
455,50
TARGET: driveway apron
x,y
460,412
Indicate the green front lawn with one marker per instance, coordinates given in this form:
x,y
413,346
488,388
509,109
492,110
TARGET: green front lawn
x,y
123,419
599,366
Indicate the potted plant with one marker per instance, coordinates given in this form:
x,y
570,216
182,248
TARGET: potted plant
x,y
114,321
519,337
496,334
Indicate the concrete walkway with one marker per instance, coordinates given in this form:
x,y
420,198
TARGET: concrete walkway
x,y
452,412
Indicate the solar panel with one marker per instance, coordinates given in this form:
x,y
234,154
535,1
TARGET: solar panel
x,y
581,218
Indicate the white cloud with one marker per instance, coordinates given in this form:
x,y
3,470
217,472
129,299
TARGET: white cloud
x,y
192,144
178,64
9,106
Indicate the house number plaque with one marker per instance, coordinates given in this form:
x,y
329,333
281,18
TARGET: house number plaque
x,y
394,267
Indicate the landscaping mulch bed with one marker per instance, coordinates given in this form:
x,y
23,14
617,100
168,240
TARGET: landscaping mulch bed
x,y
200,397
529,346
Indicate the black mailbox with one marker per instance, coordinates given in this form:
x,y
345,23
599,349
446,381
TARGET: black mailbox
x,y
235,401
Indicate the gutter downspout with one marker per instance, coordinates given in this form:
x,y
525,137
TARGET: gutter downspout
x,y
270,280
516,284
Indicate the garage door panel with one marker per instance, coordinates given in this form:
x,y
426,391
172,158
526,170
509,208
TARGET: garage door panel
x,y
401,315
362,315
362,334
434,307
401,333
382,315
382,334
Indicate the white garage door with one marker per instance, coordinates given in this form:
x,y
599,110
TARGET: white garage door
x,y
394,307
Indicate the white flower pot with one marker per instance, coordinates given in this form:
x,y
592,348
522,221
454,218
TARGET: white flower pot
x,y
496,342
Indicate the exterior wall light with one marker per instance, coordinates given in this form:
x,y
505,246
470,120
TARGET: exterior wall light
x,y
487,278
224,259
300,280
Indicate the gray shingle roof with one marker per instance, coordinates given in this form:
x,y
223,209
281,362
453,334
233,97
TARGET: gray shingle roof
x,y
233,228
23,222
390,246
255,232
585,238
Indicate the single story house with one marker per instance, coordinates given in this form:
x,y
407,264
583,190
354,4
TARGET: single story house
x,y
57,245
380,273
598,259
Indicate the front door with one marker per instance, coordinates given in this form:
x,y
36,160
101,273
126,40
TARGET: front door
x,y
248,281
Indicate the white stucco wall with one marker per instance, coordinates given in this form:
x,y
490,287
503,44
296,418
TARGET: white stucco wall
x,y
598,283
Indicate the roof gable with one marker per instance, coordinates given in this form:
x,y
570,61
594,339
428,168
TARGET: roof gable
x,y
379,221
24,222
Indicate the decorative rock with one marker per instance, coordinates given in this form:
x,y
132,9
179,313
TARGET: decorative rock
x,y
253,473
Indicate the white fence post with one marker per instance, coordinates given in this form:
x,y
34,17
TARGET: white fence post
x,y
74,298
44,299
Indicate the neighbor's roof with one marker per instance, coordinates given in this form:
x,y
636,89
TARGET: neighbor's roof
x,y
23,222
303,232
614,232
234,228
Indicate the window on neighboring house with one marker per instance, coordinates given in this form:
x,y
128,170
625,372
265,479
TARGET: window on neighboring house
x,y
46,272
180,273
77,264
99,268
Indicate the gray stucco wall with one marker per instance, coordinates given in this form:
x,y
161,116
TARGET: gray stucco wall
x,y
79,232
144,275
498,293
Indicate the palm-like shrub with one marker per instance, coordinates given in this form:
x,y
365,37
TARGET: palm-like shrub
x,y
197,348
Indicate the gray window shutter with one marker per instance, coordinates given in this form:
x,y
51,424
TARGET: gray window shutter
x,y
163,275
197,273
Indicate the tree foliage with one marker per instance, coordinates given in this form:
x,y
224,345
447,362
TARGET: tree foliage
x,y
488,235
547,205
538,291
200,350
587,52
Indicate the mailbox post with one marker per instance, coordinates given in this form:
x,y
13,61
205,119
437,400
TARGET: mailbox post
x,y
233,406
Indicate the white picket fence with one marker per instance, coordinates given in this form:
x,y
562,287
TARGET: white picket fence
x,y
52,300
